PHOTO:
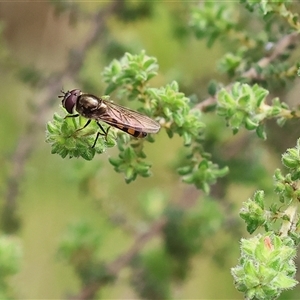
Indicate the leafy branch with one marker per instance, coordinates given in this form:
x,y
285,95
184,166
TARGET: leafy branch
x,y
129,76
246,105
266,266
10,263
179,243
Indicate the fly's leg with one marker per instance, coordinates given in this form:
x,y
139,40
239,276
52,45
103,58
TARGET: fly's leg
x,y
71,116
86,124
75,116
103,133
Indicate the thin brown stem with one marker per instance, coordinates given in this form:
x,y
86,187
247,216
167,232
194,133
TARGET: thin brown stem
x,y
278,50
47,96
89,291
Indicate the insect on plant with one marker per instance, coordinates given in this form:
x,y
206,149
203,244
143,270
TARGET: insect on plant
x,y
94,108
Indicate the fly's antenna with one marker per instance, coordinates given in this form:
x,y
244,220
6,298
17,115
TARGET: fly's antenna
x,y
63,93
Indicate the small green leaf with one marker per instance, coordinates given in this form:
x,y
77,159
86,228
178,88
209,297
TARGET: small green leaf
x,y
110,88
284,282
250,124
212,88
260,131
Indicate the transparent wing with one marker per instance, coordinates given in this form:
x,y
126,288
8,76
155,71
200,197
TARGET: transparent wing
x,y
117,115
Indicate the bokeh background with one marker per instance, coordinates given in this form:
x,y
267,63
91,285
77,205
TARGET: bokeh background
x,y
48,193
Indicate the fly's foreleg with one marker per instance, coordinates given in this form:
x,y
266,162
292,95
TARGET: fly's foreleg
x,y
72,116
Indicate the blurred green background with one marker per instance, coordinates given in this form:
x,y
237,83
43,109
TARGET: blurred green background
x,y
55,193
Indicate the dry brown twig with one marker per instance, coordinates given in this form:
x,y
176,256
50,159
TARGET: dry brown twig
x,y
113,269
25,145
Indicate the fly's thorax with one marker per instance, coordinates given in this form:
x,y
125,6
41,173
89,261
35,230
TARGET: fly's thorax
x,y
90,106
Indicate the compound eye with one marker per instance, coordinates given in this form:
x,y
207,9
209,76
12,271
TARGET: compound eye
x,y
70,99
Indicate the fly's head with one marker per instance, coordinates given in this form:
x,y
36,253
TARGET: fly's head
x,y
69,99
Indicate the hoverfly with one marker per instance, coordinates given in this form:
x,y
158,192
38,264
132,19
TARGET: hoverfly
x,y
94,108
